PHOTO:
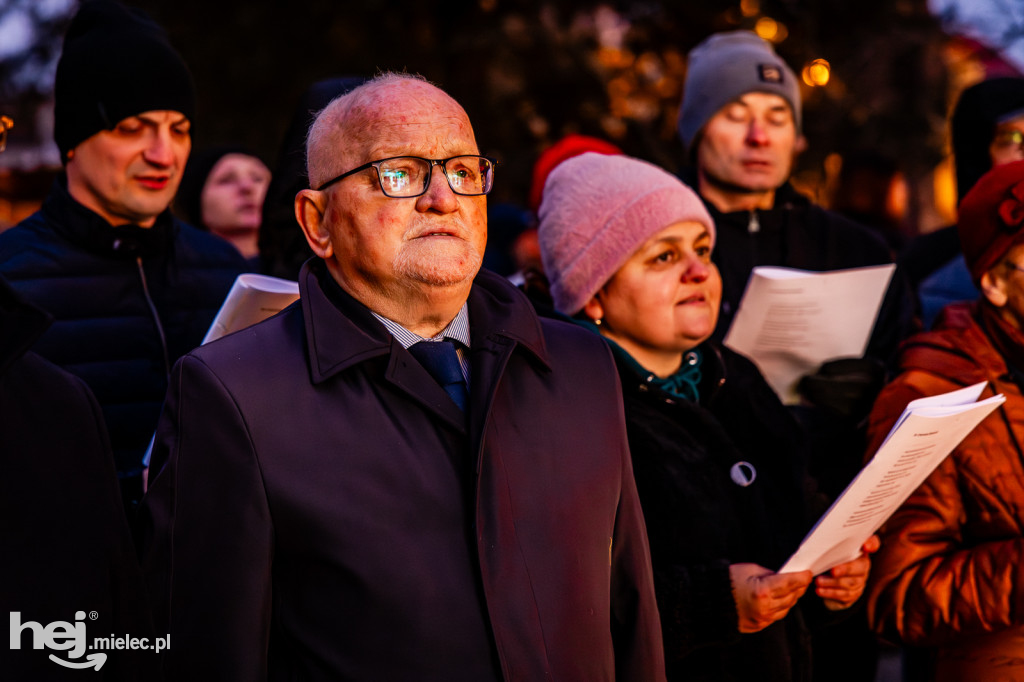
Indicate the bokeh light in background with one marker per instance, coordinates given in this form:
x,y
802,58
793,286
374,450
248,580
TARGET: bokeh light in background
x,y
771,30
817,73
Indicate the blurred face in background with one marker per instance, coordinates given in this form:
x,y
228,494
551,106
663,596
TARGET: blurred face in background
x,y
664,300
746,151
1008,142
1003,286
233,194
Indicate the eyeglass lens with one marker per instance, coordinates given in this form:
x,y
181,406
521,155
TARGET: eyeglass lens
x,y
408,175
1009,138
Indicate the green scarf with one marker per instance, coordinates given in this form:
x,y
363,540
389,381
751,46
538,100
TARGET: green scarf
x,y
682,384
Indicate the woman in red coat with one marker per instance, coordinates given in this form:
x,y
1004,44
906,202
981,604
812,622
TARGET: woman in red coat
x,y
950,574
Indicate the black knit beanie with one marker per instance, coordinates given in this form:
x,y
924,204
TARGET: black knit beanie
x,y
979,110
116,63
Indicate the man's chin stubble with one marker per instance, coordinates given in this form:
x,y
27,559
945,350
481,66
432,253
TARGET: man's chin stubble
x,y
446,268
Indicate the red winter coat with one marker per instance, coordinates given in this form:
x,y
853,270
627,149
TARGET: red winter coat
x,y
950,574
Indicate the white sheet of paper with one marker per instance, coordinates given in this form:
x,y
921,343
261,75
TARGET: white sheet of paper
x,y
927,431
253,298
789,321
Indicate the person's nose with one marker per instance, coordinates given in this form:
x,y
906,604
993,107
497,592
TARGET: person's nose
x,y
757,135
160,149
696,270
247,186
439,196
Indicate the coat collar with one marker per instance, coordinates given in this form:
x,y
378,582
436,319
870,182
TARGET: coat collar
x,y
957,348
20,325
341,332
89,230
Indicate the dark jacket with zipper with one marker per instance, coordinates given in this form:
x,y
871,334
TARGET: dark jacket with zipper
x,y
126,301
798,234
326,512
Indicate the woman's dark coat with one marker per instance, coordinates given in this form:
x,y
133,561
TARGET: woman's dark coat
x,y
699,521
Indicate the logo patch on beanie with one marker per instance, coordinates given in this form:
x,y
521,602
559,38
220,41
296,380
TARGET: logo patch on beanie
x,y
769,73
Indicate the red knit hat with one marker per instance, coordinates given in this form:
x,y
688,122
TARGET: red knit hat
x,y
992,217
566,148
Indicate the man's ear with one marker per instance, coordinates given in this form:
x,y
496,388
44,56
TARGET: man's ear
x,y
310,210
800,146
593,308
993,287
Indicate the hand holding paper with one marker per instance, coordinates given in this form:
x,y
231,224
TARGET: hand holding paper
x,y
763,597
844,584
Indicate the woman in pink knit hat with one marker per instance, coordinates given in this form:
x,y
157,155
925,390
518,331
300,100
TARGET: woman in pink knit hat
x,y
719,463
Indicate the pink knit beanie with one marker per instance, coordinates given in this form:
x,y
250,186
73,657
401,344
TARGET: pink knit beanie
x,y
597,211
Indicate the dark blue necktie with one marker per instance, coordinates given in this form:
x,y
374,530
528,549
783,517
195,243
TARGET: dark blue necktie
x,y
440,359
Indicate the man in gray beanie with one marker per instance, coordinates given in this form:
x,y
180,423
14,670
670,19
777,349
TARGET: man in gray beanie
x,y
740,123
131,288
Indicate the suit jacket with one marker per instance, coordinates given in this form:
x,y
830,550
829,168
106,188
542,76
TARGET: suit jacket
x,y
327,512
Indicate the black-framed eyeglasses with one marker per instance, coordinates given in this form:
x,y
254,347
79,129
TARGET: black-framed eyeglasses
x,y
402,177
6,123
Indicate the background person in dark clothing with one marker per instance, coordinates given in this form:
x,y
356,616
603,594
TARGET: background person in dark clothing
x,y
222,191
987,129
66,544
283,249
130,287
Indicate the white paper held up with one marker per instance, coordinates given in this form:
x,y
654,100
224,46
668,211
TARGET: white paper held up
x,y
253,298
924,435
790,321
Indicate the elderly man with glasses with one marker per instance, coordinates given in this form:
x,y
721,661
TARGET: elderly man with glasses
x,y
406,475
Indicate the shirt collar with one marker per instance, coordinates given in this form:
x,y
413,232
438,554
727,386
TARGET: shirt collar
x,y
457,329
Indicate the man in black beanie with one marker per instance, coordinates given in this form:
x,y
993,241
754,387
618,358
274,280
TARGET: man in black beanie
x,y
130,287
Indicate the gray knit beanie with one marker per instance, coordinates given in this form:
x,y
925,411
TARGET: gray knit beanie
x,y
598,209
726,66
